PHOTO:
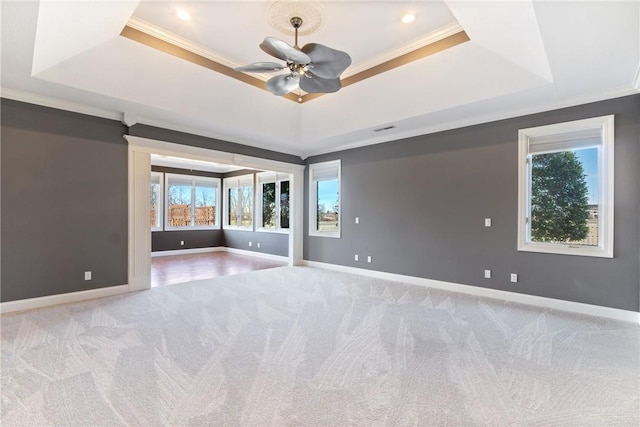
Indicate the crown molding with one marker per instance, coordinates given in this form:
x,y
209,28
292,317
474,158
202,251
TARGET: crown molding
x,y
59,104
183,43
427,39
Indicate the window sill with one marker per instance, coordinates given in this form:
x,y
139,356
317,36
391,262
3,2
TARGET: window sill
x,y
266,230
190,228
561,249
231,228
331,234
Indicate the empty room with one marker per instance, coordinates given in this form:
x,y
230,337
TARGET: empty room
x,y
320,213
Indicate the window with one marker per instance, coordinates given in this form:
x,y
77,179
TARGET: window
x,y
156,201
191,202
565,193
239,198
273,201
324,199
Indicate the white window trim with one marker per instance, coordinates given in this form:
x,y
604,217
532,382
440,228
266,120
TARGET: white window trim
x,y
193,178
233,182
313,200
269,178
161,201
605,125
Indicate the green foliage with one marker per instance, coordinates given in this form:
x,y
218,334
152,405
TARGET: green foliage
x,y
559,198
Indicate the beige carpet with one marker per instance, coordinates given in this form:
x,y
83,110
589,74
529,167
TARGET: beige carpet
x,y
302,346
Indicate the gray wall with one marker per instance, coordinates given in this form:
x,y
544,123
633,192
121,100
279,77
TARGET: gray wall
x,y
170,240
64,201
422,203
270,243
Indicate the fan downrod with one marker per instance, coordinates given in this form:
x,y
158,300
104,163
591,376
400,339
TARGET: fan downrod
x,y
296,22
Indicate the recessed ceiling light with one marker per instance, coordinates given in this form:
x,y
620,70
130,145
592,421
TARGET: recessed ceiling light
x,y
183,14
409,17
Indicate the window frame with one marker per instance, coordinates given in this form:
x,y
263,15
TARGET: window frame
x,y
313,198
561,132
160,200
235,182
194,180
277,179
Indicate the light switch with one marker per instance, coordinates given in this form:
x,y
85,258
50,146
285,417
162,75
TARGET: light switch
x,y
487,222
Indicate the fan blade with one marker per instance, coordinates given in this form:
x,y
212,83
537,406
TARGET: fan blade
x,y
261,67
327,63
282,50
283,84
314,84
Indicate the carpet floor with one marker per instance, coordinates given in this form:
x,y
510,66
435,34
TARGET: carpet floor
x,y
307,347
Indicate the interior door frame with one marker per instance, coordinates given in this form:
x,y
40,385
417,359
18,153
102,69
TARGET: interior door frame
x,y
140,151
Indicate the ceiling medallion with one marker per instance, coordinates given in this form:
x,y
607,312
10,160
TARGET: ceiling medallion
x,y
281,12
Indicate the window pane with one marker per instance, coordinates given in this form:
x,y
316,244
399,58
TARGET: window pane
x,y
233,206
205,205
179,205
327,193
284,204
269,205
155,197
246,194
564,197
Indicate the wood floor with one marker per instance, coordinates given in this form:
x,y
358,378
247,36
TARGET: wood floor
x,y
169,270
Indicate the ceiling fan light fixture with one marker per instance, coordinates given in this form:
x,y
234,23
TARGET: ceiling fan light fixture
x,y
314,68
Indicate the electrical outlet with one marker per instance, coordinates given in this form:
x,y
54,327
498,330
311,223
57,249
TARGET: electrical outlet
x,y
487,274
250,244
355,257
258,244
487,222
357,220
514,278
87,275
369,258
181,242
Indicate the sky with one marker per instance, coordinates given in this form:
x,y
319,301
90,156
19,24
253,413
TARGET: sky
x,y
589,159
328,193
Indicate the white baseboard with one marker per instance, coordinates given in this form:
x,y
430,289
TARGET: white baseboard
x,y
555,304
39,302
220,249
256,254
187,251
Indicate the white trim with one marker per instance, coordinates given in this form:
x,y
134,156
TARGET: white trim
x,y
39,302
220,249
605,127
46,101
187,251
256,254
139,219
532,300
636,80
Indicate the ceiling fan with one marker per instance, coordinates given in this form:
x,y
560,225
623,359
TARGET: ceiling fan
x,y
315,68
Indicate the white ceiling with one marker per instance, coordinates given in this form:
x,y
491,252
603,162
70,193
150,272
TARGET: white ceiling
x,y
523,57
